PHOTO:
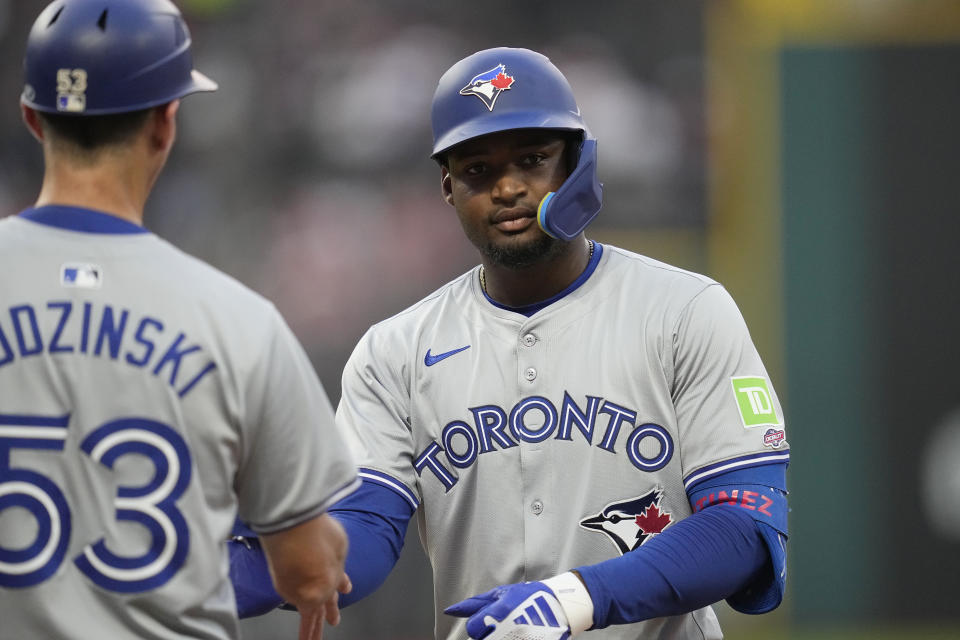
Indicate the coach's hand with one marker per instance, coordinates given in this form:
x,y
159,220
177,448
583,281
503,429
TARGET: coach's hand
x,y
554,609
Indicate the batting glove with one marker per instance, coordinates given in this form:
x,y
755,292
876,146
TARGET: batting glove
x,y
554,609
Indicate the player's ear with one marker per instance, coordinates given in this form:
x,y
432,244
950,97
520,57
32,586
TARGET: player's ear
x,y
446,185
32,121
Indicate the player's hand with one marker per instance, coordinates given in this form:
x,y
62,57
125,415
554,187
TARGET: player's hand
x,y
521,611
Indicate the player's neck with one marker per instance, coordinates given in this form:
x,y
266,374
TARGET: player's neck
x,y
112,185
538,282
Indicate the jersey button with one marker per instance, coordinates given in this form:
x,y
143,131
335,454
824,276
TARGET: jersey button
x,y
529,340
536,507
530,374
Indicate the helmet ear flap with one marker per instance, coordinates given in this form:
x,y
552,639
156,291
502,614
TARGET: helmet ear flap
x,y
565,213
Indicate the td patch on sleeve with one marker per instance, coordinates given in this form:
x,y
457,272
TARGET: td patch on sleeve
x,y
754,401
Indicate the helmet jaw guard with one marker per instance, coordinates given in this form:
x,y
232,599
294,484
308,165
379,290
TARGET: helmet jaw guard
x,y
565,213
95,57
504,89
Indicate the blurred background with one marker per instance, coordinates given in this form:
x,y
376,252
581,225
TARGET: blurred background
x,y
802,152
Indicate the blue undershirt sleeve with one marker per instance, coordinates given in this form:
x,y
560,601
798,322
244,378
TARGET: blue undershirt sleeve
x,y
375,519
731,547
761,492
698,561
252,585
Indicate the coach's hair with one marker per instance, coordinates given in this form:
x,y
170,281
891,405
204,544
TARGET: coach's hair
x,y
86,135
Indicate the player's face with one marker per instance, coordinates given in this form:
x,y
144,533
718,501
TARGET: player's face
x,y
496,183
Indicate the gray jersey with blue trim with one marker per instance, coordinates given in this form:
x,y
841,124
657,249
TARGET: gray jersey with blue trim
x,y
146,400
533,445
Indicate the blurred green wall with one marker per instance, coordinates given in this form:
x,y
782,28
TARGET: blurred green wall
x,y
834,223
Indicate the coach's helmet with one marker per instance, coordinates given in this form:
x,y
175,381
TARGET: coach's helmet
x,y
92,57
503,89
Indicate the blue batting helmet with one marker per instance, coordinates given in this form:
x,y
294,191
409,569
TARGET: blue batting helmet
x,y
92,57
503,89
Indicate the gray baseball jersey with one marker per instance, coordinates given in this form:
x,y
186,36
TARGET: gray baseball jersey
x,y
146,400
532,445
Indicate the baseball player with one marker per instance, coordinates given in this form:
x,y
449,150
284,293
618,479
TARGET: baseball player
x,y
587,437
146,399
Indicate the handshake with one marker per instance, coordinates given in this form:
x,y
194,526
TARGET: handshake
x,y
553,609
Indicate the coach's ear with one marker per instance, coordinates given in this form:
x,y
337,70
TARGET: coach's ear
x,y
163,125
32,120
446,185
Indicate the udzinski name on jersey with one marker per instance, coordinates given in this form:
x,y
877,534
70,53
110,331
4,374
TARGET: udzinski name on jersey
x,y
106,333
649,446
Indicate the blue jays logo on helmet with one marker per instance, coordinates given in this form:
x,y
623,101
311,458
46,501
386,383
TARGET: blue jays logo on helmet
x,y
489,85
629,523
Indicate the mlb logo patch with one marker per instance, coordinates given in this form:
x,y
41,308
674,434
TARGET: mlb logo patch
x,y
754,402
71,103
81,275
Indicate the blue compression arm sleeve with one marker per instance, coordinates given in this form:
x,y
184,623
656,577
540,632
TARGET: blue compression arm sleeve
x,y
761,492
730,548
698,561
375,519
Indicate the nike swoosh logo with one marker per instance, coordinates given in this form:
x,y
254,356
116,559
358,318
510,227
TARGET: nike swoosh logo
x,y
431,360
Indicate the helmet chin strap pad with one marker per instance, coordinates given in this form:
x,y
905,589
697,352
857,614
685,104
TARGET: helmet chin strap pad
x,y
566,212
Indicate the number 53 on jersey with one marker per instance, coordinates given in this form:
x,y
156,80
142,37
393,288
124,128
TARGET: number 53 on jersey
x,y
152,505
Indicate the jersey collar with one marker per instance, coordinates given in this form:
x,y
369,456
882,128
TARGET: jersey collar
x,y
80,219
530,309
